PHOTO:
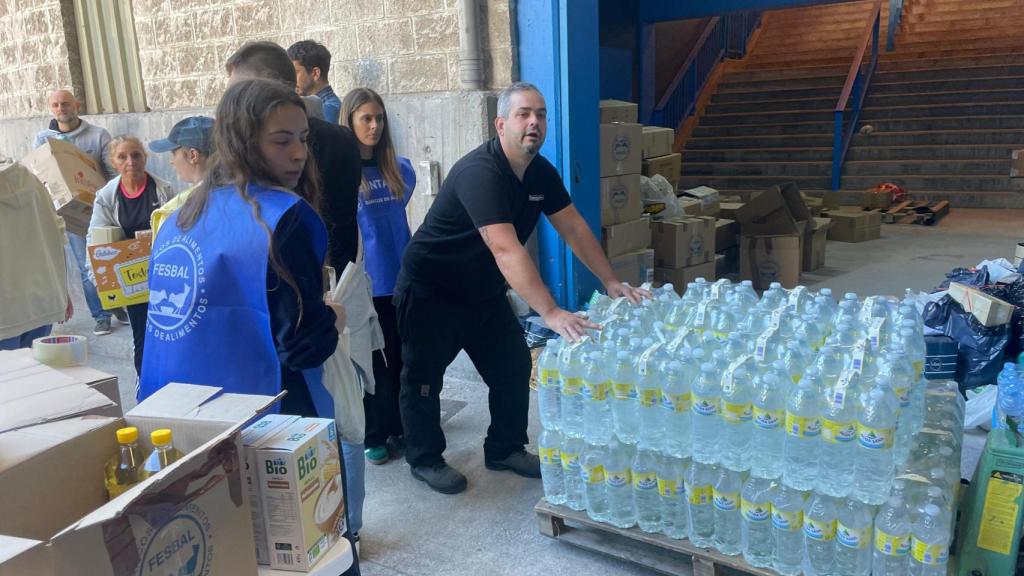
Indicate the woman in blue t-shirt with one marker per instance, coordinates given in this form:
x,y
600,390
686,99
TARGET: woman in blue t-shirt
x,y
388,184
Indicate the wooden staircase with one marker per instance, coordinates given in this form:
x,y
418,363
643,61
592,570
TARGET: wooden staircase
x,y
945,108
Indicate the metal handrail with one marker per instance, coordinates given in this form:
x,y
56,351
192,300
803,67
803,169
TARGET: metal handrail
x,y
856,86
709,28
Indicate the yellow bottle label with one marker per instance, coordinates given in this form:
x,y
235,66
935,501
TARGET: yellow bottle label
x,y
549,456
874,438
787,521
547,376
755,512
645,481
649,398
726,501
624,390
802,426
891,544
592,474
720,336
818,530
705,405
596,391
570,461
928,554
572,386
677,403
837,432
768,419
918,369
668,488
853,537
736,413
699,495
617,478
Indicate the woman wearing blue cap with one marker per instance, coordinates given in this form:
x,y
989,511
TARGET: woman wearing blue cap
x,y
190,143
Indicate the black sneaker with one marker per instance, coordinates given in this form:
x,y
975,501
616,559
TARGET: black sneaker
x,y
102,327
521,462
121,315
441,478
396,445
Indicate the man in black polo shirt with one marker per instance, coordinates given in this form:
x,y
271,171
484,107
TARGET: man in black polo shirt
x,y
451,290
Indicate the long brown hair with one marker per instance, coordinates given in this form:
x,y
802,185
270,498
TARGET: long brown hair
x,y
384,151
237,160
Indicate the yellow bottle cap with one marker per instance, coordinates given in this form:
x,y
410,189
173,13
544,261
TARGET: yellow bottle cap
x,y
127,435
160,437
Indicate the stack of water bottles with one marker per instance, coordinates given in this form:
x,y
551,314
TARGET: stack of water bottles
x,y
771,427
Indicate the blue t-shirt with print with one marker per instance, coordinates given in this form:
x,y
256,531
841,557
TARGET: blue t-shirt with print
x,y
383,225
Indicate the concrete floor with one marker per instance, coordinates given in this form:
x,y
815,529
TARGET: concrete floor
x,y
491,528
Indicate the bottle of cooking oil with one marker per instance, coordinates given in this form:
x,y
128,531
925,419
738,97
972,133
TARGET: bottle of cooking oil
x,y
125,469
163,455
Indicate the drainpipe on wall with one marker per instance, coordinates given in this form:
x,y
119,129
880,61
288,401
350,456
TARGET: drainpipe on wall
x,y
471,66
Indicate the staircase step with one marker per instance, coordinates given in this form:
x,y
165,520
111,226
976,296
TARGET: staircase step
x,y
873,168
796,66
933,153
779,74
880,78
987,20
820,116
945,138
785,37
760,155
827,24
807,54
752,86
1006,58
951,182
971,36
815,104
795,141
942,111
772,169
964,14
823,10
773,95
878,126
960,97
752,182
876,88
939,44
914,59
925,8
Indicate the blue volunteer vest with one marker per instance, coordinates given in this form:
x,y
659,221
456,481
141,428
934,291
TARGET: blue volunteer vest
x,y
208,318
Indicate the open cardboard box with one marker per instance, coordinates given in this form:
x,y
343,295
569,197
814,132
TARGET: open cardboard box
x,y
191,518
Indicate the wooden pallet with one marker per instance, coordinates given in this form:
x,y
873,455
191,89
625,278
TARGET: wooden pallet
x,y
921,212
655,551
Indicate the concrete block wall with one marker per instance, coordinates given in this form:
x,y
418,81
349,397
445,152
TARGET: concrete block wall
x,y
392,46
34,54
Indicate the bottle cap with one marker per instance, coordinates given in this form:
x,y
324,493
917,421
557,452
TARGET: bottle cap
x,y
127,435
160,437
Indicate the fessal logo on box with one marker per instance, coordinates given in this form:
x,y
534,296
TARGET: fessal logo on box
x,y
768,270
182,546
621,147
618,197
696,245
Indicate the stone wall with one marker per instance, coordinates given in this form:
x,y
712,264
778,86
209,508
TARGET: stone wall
x,y
393,46
34,57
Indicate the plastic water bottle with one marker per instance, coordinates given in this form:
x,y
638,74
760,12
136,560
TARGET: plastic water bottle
x,y
570,373
796,360
648,390
774,296
744,295
838,432
675,516
676,411
803,426
596,410
699,483
873,459
820,535
768,431
728,517
707,392
788,531
548,386
891,550
900,373
853,539
618,485
929,544
1009,397
625,408
645,489
575,496
736,420
549,449
756,510
592,462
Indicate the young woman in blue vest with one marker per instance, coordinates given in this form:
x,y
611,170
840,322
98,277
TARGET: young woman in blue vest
x,y
388,184
236,290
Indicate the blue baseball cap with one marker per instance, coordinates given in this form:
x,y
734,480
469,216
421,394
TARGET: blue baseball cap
x,y
192,132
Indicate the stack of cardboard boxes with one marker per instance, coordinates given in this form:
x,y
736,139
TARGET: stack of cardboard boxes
x,y
684,250
626,232
855,226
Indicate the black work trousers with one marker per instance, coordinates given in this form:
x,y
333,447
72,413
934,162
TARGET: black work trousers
x,y
433,331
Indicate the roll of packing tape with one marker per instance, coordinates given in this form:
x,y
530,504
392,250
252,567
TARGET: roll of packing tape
x,y
60,351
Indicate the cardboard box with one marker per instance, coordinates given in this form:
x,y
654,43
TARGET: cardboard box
x,y
1017,166
708,199
620,149
621,199
634,268
727,234
32,392
72,179
657,141
683,242
680,277
728,210
987,309
815,239
253,438
767,259
1018,254
766,214
300,483
618,111
859,226
941,357
831,200
669,166
190,518
876,199
619,239
122,272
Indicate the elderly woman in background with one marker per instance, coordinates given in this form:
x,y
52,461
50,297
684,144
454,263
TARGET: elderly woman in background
x,y
127,202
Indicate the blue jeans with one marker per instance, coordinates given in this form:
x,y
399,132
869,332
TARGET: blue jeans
x,y
25,339
81,257
355,472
